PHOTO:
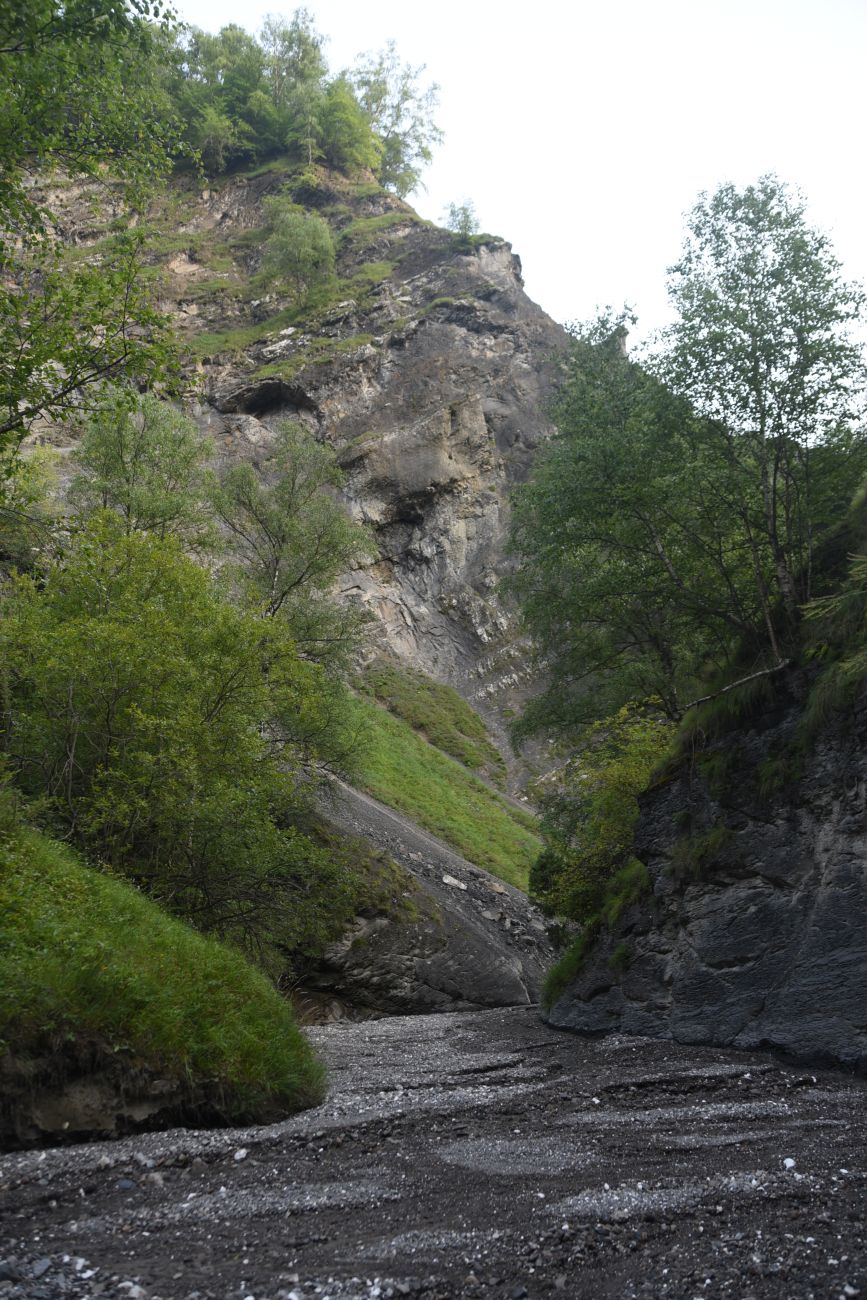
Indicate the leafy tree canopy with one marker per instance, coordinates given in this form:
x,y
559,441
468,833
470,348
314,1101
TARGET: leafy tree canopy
x,y
299,250
144,460
243,98
762,348
400,112
80,87
461,220
671,526
674,526
81,91
293,538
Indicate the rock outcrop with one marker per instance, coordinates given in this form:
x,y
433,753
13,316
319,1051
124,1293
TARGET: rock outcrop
x,y
432,388
754,933
430,377
466,940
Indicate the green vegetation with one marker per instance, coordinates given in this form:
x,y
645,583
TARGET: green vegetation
x,y
678,525
317,352
364,278
366,230
568,967
243,99
589,816
163,726
143,459
671,530
87,957
64,326
400,113
462,221
621,959
237,339
397,766
291,540
299,250
624,888
438,712
135,698
695,855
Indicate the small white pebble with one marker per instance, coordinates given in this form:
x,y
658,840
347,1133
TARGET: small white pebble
x,y
788,1163
595,1101
241,1153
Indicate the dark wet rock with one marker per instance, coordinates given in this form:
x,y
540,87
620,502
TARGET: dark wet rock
x,y
765,943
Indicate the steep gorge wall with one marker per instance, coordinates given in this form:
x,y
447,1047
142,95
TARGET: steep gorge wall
x,y
754,932
430,377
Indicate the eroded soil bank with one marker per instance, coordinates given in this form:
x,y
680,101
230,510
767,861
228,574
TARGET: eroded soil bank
x,y
477,1154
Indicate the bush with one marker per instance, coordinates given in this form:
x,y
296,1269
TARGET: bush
x,y
138,704
299,250
462,221
588,821
625,887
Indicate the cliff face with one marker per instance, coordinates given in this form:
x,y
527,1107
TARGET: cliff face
x,y
754,933
428,371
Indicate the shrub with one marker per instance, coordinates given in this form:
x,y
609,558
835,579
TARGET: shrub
x,y
299,250
588,821
137,703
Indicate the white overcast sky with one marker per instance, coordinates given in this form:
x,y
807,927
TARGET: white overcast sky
x,y
583,131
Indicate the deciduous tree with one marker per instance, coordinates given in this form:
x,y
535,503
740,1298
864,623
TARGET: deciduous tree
x,y
400,111
762,348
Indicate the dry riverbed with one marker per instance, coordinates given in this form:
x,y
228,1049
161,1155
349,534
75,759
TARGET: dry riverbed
x,y
477,1154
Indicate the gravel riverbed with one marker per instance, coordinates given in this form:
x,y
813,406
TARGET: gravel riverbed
x,y
468,1155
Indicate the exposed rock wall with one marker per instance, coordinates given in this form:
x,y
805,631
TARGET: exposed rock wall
x,y
431,378
467,941
767,945
432,384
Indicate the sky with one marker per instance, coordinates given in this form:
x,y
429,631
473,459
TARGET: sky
x,y
582,132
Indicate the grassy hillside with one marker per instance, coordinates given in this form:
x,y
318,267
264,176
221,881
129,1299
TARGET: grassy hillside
x,y
86,959
441,715
402,769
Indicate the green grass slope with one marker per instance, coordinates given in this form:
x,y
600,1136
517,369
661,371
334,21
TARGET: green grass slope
x,y
439,713
85,959
399,767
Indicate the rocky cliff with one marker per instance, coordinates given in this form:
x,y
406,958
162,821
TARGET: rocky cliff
x,y
754,932
428,370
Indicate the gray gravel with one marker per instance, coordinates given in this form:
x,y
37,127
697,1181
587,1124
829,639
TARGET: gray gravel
x,y
477,1154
